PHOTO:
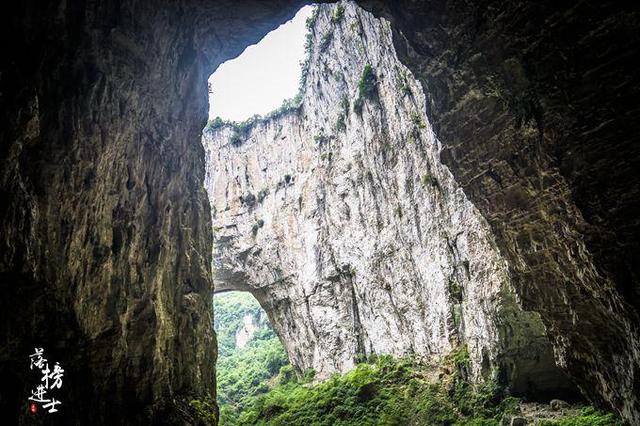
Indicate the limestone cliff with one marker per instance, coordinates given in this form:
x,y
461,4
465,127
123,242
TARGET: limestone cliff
x,y
341,219
105,247
536,109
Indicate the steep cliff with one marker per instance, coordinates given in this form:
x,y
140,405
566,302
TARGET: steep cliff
x,y
535,105
341,219
105,234
106,243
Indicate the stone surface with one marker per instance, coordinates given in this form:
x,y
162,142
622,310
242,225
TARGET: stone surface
x,y
105,245
536,108
558,404
534,103
250,325
354,236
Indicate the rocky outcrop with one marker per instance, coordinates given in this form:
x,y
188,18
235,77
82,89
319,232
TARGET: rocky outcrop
x,y
535,105
105,245
250,325
343,222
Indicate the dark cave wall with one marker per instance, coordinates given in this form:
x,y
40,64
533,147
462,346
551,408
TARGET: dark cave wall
x,y
106,243
536,105
105,230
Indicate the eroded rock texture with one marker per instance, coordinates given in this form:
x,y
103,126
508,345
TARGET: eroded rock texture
x,y
106,238
536,108
104,224
353,235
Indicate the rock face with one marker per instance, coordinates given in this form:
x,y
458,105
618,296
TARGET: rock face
x,y
250,324
536,109
355,238
104,229
105,247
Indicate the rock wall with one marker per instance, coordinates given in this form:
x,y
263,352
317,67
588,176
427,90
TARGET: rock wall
x,y
355,238
535,104
105,247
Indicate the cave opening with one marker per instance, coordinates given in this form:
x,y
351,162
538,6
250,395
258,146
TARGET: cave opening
x,y
251,358
264,77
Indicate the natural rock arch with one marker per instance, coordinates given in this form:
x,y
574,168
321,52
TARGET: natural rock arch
x,y
105,225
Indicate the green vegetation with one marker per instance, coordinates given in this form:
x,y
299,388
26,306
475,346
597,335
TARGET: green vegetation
x,y
398,211
386,391
429,180
320,138
522,102
338,14
367,88
403,82
417,121
341,125
325,41
243,374
256,386
367,85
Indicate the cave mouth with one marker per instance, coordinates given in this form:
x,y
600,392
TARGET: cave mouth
x,y
251,358
265,76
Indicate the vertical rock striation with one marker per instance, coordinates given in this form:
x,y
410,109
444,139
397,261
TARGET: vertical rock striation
x,y
343,222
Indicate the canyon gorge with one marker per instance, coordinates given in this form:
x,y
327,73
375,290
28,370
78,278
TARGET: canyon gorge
x,y
457,174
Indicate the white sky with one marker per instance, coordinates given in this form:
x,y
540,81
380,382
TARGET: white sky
x,y
265,74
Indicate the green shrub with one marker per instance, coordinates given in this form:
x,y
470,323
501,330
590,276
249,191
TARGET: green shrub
x,y
417,121
388,392
217,123
589,416
235,139
357,105
204,409
340,124
320,139
429,179
325,41
367,88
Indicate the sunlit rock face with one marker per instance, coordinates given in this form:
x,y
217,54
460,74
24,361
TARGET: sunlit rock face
x,y
535,105
351,232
